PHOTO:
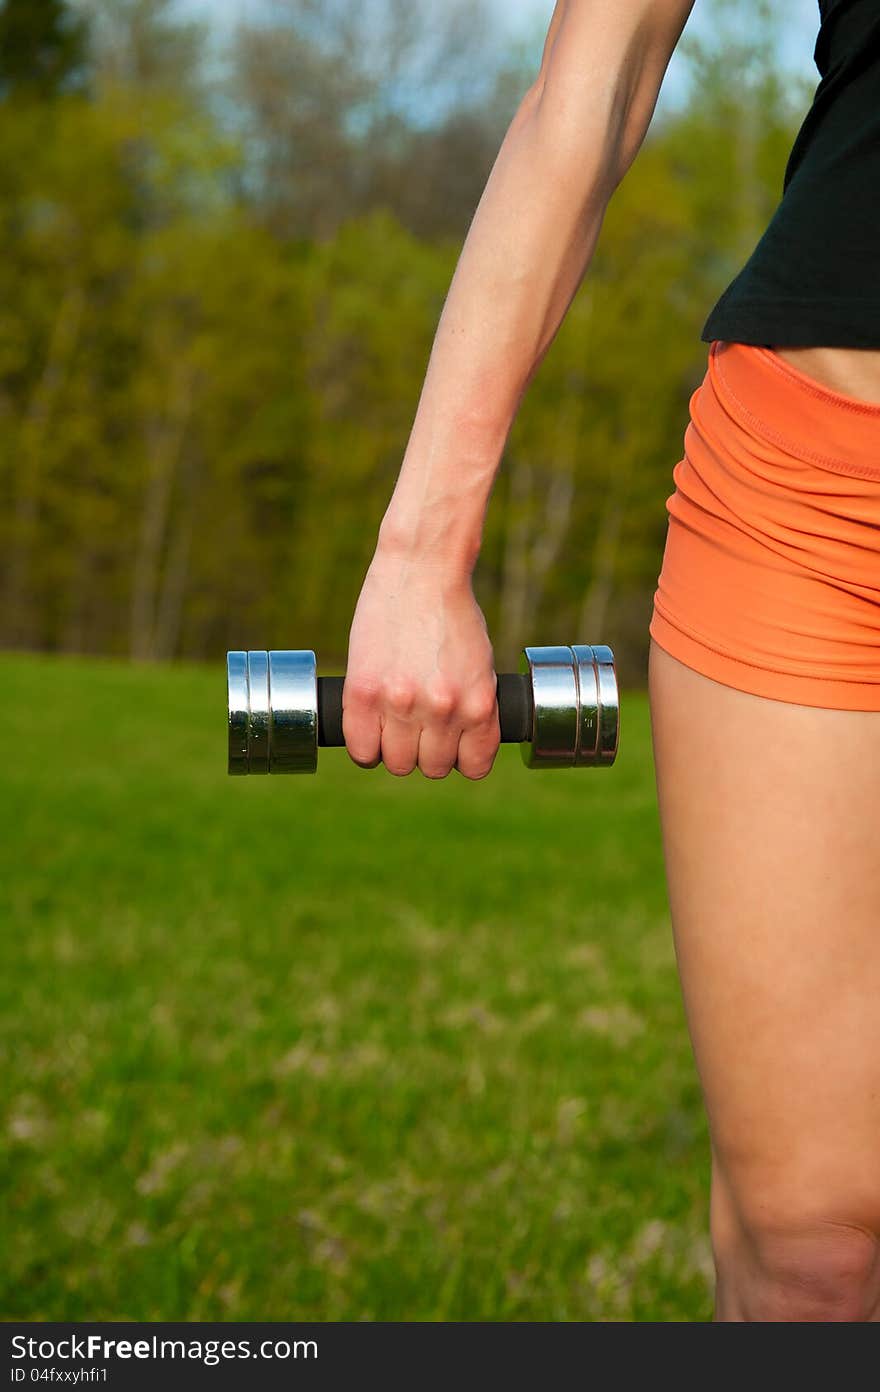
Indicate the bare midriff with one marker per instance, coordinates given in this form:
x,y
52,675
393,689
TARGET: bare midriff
x,y
851,371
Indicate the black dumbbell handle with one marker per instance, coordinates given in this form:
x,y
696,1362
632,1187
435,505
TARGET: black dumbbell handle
x,y
514,709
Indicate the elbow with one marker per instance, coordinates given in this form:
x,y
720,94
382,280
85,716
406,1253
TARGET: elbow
x,y
584,142
601,124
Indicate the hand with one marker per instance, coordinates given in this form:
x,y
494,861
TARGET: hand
x,y
420,687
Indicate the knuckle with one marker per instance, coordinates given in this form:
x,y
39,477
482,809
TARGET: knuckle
x,y
481,707
360,690
400,695
441,699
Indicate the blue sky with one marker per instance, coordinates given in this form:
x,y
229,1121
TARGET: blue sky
x,y
799,24
530,18
801,18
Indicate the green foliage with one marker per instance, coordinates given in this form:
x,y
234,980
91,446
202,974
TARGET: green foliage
x,y
204,416
42,47
347,1047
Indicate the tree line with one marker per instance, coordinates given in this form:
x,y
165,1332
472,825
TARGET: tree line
x,y
224,259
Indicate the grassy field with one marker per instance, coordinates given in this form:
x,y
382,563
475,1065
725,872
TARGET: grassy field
x,y
344,1047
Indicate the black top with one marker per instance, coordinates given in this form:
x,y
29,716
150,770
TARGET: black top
x,y
814,277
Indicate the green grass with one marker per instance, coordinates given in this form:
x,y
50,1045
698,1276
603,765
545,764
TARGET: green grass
x,y
345,1047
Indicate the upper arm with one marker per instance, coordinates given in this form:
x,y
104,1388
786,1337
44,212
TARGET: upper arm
x,y
602,68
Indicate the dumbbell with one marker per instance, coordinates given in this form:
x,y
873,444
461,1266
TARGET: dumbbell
x,y
561,708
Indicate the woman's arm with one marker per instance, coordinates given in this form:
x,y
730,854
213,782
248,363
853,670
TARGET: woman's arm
x,y
570,142
420,685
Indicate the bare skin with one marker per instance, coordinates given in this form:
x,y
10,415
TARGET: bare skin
x,y
769,820
420,682
851,371
768,809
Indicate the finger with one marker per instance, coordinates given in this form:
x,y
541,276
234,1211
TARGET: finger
x,y
477,749
400,745
438,750
361,724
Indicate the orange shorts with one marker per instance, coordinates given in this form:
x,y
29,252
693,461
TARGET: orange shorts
x,y
770,580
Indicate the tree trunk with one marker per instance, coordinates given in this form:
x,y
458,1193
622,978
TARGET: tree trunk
x,y
597,599
594,610
166,443
63,339
535,537
174,580
515,571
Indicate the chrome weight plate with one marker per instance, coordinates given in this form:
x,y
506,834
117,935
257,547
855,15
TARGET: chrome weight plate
x,y
239,710
258,723
599,723
554,734
293,697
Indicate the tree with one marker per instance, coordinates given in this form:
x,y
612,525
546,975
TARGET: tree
x,y
205,408
145,45
43,47
346,108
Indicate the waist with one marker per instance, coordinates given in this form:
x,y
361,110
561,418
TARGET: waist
x,y
810,421
853,372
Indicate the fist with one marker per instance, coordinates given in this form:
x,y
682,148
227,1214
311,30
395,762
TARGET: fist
x,y
420,688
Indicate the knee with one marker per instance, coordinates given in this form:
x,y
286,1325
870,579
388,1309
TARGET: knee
x,y
812,1273
794,1266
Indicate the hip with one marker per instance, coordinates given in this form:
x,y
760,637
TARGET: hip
x,y
771,571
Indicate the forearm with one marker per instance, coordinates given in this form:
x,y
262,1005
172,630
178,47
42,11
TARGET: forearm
x,y
528,247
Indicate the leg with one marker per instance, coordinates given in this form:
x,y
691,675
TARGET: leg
x,y
770,836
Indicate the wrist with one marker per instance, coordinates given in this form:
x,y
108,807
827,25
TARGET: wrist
x,y
437,511
435,543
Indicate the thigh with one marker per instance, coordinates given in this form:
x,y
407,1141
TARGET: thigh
x,y
771,836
